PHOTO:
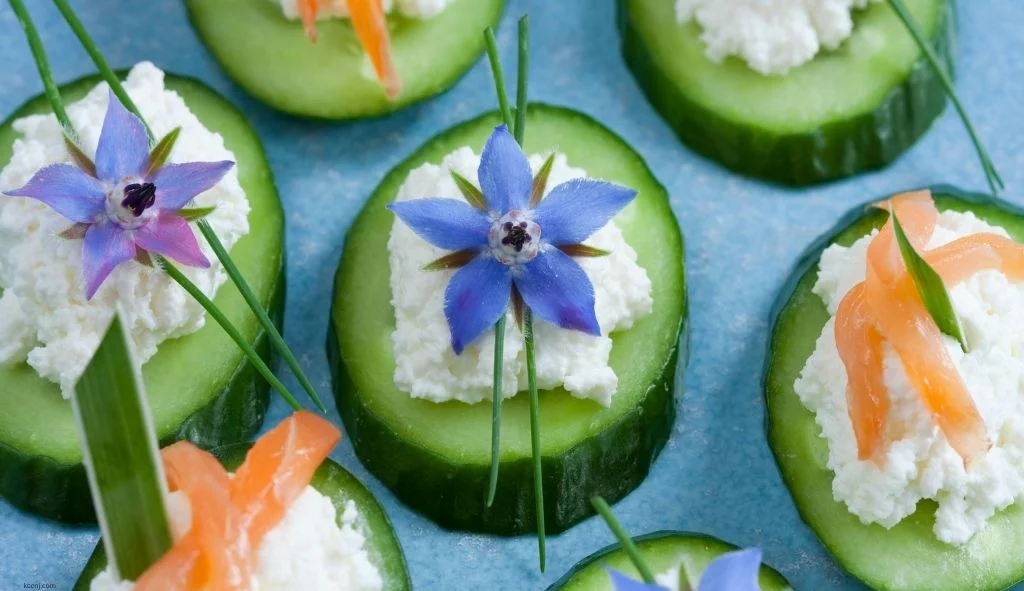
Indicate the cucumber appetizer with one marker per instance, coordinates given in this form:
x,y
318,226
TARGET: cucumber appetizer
x,y
414,396
357,516
899,439
789,96
280,52
201,386
663,552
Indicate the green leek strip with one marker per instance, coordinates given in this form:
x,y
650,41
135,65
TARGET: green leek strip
x,y
211,237
45,74
229,328
121,456
929,286
995,182
625,541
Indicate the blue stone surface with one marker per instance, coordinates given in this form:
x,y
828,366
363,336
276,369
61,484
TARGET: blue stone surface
x,y
717,474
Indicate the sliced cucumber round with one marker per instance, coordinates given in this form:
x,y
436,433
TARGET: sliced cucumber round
x,y
200,386
341,487
661,551
853,109
270,56
907,557
436,457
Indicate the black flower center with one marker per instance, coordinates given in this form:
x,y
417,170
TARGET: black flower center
x,y
516,235
139,197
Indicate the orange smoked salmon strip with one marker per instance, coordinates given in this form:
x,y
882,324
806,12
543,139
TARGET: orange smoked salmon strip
x,y
860,348
964,257
278,468
371,26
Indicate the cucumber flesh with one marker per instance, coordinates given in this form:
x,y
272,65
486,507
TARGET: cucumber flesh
x,y
853,109
436,457
201,387
340,486
271,57
661,551
907,557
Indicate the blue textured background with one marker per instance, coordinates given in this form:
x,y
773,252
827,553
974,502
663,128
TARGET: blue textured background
x,y
717,474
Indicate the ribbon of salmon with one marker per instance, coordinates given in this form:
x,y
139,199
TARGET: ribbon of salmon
x,y
230,516
371,28
887,307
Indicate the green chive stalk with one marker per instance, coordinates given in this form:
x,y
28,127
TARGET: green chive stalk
x,y
625,541
43,64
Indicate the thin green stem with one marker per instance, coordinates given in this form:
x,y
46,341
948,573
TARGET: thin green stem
x,y
229,328
521,80
624,540
499,77
995,182
101,63
499,363
538,472
45,74
268,325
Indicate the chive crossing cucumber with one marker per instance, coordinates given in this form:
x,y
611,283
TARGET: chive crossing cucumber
x,y
850,110
270,56
908,556
436,457
340,486
661,550
200,386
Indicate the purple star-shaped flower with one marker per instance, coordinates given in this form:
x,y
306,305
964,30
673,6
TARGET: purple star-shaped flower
x,y
732,571
508,244
127,203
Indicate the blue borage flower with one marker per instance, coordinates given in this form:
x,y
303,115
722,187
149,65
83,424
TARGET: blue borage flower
x,y
511,244
733,571
127,203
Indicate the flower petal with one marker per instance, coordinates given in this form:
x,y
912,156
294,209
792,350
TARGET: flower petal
x,y
450,224
621,582
123,148
504,173
574,210
177,184
171,236
476,297
557,289
68,191
106,246
734,571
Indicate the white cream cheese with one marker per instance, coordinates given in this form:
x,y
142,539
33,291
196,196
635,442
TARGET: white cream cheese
x,y
308,549
772,36
919,463
421,9
669,579
44,316
425,364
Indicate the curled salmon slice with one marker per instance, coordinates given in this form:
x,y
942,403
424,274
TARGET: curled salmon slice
x,y
860,348
278,468
371,27
965,256
215,553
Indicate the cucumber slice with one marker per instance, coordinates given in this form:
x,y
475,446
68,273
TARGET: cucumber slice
x,y
341,486
661,550
200,387
854,109
908,556
271,57
436,457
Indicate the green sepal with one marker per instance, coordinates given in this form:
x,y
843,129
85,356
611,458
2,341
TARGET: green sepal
x,y
78,156
192,214
161,151
455,260
540,182
582,250
469,191
75,232
121,455
929,286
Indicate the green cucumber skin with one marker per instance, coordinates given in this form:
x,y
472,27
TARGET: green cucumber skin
x,y
835,150
907,557
60,491
770,579
365,105
331,480
450,494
